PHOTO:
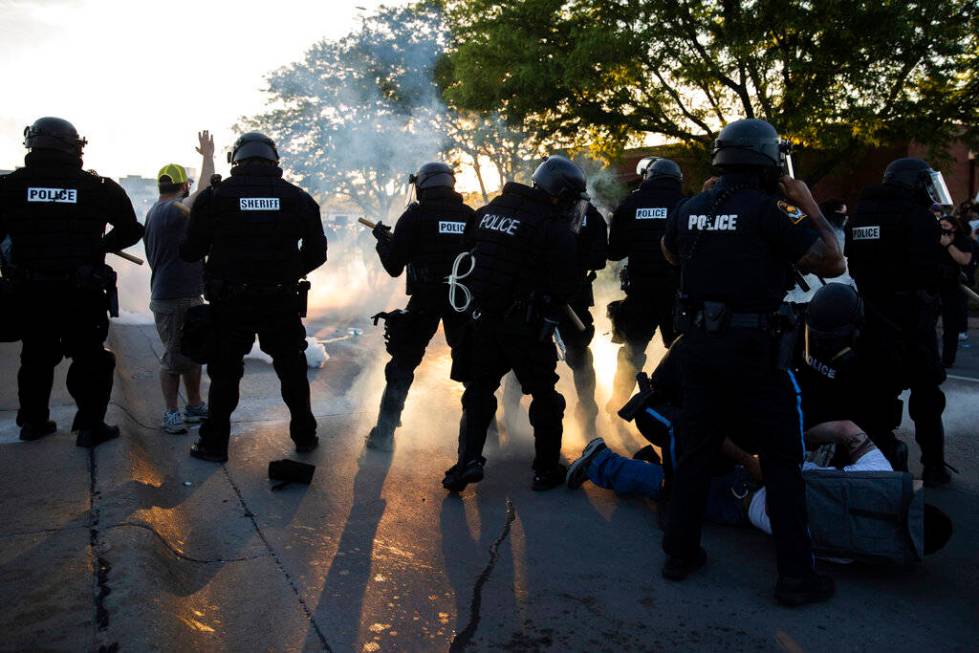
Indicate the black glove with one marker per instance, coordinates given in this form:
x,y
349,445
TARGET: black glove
x,y
382,232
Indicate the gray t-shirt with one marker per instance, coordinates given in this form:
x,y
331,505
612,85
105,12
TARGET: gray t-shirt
x,y
171,278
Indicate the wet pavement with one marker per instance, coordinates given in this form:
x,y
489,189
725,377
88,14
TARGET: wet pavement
x,y
137,547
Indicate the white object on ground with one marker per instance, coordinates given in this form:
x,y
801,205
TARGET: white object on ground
x,y
316,355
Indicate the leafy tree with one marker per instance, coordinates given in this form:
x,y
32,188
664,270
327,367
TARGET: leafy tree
x,y
832,74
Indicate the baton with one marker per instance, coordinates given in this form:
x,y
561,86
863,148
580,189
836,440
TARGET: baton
x,y
575,320
367,223
129,257
970,293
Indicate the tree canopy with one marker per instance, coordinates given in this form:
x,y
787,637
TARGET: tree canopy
x,y
832,74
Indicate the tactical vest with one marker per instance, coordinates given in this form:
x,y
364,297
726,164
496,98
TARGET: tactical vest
x,y
507,236
641,222
55,214
881,243
256,228
438,224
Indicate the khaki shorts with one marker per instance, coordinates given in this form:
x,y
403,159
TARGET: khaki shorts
x,y
169,316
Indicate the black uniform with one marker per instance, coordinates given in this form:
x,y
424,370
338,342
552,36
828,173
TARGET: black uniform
x,y
427,239
650,282
525,269
592,254
735,247
250,227
892,247
56,214
955,306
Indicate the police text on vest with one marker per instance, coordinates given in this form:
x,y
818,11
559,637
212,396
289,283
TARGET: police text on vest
x,y
258,203
650,214
451,227
866,233
726,222
59,195
499,223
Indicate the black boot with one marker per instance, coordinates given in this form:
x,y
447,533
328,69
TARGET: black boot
x,y
460,475
31,432
201,451
800,591
549,478
677,568
93,437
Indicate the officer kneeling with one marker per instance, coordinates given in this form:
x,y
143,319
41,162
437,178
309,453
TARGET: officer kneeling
x,y
260,235
735,244
61,289
525,251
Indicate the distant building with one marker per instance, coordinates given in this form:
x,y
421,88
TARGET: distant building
x,y
143,193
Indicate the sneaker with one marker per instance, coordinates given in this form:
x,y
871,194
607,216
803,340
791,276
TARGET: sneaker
x,y
173,422
459,476
578,472
380,442
550,478
676,568
93,437
201,452
31,432
800,591
196,414
307,444
963,336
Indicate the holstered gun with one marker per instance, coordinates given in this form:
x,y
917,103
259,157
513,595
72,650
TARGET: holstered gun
x,y
787,326
638,400
302,289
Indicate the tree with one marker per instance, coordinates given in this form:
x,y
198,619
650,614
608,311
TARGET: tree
x,y
833,74
358,114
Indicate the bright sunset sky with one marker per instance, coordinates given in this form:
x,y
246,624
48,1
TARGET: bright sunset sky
x,y
139,79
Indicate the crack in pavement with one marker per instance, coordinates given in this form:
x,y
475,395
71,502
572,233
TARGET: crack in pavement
x,y
100,566
180,554
278,562
462,639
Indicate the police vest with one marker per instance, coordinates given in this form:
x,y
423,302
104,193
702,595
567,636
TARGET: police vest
x,y
256,228
723,250
883,242
438,223
638,226
55,214
507,242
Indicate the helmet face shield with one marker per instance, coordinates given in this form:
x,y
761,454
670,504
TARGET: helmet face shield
x,y
576,214
785,158
937,190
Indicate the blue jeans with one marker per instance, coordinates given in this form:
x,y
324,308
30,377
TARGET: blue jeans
x,y
626,476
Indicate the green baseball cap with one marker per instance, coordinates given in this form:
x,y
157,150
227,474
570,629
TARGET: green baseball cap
x,y
172,173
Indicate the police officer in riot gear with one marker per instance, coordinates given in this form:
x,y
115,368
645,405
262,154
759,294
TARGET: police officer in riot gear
x,y
524,247
649,281
736,244
427,239
592,254
259,235
56,214
835,375
892,245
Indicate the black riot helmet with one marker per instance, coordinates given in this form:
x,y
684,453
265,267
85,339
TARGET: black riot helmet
x,y
666,168
253,145
433,174
749,143
563,180
917,175
834,319
54,134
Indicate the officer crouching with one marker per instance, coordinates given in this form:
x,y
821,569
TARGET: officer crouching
x,y
736,243
61,289
525,250
260,235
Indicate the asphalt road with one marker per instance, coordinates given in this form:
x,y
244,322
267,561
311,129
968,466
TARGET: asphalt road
x,y
137,547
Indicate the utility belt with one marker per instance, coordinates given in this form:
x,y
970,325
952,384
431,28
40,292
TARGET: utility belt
x,y
220,290
99,278
717,318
